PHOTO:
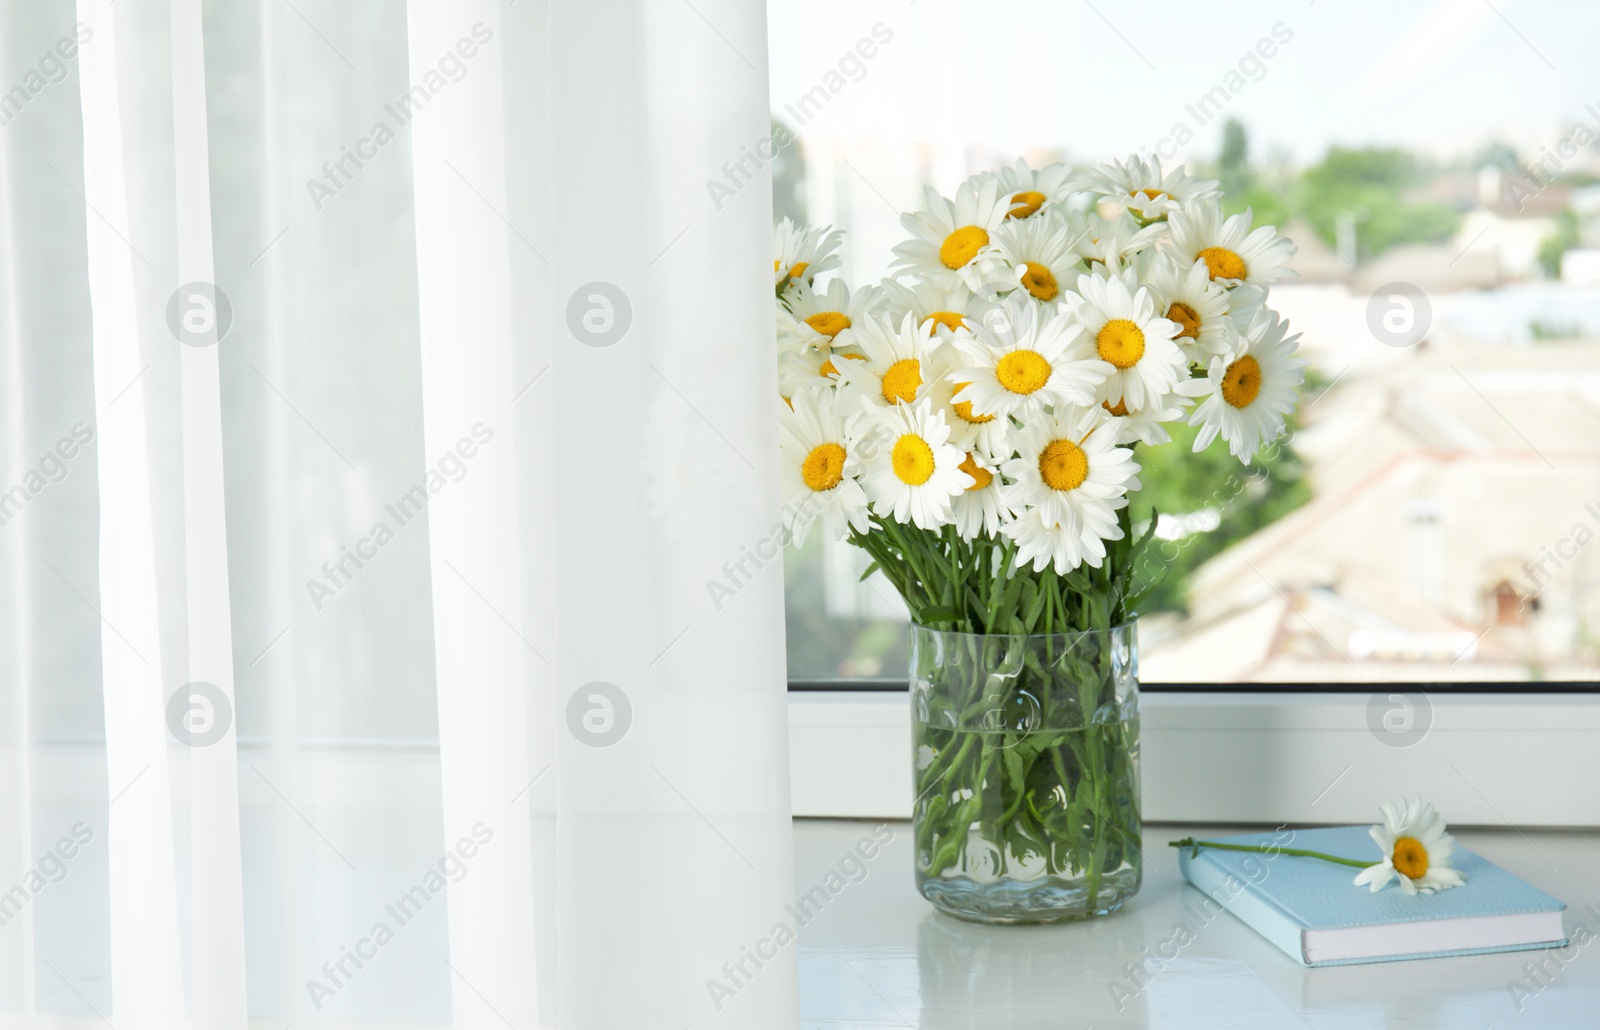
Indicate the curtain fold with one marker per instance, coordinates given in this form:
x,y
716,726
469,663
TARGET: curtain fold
x,y
677,825
146,964
481,638
217,939
382,396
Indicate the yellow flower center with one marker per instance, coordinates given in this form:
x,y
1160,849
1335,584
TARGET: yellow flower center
x,y
1026,203
902,381
1187,317
981,477
1022,371
829,323
964,408
912,459
1147,196
1410,857
1039,281
951,320
1223,263
829,369
823,468
962,246
1063,465
1120,409
1120,342
1241,382
799,269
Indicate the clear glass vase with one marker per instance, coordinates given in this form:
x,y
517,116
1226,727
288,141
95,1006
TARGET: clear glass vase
x,y
1026,759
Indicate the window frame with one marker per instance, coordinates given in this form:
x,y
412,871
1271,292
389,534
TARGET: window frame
x,y
1493,754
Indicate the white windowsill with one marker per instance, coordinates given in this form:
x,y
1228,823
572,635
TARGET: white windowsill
x,y
1486,759
879,957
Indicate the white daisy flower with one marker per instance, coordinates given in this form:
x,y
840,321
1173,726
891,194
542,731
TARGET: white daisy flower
x,y
899,362
801,253
1022,357
1029,191
952,240
981,507
915,477
818,469
1071,478
823,318
1110,244
1041,254
1199,306
1042,545
1416,849
1146,425
1248,394
969,430
949,309
1121,324
808,366
788,331
1244,303
1232,253
1140,188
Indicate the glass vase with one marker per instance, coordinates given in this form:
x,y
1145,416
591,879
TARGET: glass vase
x,y
1026,759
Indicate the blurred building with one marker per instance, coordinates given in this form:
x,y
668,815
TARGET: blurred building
x,y
1454,531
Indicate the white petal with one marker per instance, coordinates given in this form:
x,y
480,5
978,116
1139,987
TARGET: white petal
x,y
1444,877
1377,876
1392,814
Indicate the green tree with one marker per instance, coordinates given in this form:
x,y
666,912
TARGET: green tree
x,y
1371,185
1498,155
1183,485
1241,189
1266,206
1232,170
1565,238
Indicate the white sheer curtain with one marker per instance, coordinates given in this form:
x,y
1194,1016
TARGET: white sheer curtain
x,y
382,388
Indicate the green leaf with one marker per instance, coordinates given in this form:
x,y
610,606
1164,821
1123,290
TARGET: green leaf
x,y
1016,771
937,613
1039,595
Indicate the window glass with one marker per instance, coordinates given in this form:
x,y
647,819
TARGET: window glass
x,y
1431,513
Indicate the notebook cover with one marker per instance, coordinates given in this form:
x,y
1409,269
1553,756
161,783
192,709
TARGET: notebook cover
x,y
1281,896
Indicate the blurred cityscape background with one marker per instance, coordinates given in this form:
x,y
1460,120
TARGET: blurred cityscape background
x,y
1434,514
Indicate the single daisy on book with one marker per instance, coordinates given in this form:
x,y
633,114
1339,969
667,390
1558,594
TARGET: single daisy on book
x,y
1425,896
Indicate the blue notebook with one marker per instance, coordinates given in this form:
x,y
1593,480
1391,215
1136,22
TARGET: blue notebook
x,y
1312,910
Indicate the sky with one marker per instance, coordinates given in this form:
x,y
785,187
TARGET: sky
x,y
1100,79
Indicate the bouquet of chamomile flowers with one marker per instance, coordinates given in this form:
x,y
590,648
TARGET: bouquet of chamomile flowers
x,y
973,421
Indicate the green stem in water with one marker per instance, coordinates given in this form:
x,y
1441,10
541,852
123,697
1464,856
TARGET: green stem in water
x,y
1196,845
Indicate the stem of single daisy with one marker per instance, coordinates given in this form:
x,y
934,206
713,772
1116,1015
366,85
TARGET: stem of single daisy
x,y
1190,842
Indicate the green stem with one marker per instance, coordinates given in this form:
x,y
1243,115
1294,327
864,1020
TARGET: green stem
x,y
1190,842
1096,774
974,781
